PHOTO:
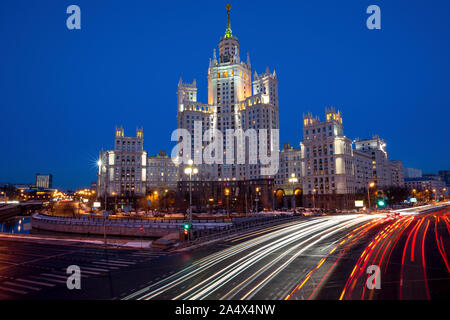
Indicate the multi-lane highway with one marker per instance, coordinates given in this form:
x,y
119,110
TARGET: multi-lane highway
x,y
265,264
324,258
311,258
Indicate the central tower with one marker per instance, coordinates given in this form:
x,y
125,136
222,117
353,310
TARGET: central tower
x,y
234,102
229,80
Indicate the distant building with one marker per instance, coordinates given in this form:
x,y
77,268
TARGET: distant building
x,y
445,175
44,180
412,173
426,183
384,173
397,173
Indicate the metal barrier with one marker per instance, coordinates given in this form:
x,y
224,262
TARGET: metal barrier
x,y
249,223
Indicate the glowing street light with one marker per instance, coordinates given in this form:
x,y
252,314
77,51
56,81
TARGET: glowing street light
x,y
371,185
293,180
314,199
227,194
190,171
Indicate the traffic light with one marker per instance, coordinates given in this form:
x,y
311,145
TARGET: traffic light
x,y
381,203
186,227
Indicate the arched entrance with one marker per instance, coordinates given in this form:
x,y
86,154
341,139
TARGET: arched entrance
x,y
298,193
279,199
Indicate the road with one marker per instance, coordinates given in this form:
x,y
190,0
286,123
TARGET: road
x,y
31,270
312,258
411,255
262,265
324,258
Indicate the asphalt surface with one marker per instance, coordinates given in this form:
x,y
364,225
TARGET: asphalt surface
x,y
39,271
312,258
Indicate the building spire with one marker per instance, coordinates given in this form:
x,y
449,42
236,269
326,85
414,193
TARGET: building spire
x,y
228,33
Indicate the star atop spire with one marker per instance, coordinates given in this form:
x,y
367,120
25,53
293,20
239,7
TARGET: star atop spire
x,y
228,33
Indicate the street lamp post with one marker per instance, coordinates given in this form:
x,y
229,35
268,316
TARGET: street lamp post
x,y
371,185
100,164
314,199
227,194
115,200
274,193
256,199
190,171
293,180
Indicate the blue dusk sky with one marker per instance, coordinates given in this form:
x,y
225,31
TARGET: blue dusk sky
x,y
62,92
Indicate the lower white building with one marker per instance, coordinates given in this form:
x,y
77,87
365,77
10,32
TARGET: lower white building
x,y
327,168
122,172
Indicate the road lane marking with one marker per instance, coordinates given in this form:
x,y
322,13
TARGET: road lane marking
x,y
21,285
37,282
95,269
109,264
13,290
119,261
48,279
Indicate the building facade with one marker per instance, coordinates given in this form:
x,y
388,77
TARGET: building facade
x,y
445,176
288,181
162,173
384,173
435,187
122,172
327,169
44,180
228,127
412,173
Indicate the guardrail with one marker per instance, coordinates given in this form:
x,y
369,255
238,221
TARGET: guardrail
x,y
238,226
128,227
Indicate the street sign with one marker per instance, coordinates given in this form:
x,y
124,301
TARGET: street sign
x,y
97,204
359,203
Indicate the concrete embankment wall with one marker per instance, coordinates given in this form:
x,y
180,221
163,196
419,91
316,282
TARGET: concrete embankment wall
x,y
117,227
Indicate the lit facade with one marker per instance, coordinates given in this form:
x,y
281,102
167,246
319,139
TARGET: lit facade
x,y
384,173
44,180
327,159
122,172
162,173
235,101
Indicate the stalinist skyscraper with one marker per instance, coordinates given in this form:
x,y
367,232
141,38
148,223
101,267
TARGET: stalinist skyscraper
x,y
235,101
